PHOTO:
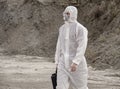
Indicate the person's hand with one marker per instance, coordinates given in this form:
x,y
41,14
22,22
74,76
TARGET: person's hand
x,y
73,67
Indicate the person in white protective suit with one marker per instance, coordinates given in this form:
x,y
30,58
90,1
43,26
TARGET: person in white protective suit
x,y
69,56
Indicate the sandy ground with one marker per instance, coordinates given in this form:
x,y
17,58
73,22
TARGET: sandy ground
x,y
31,72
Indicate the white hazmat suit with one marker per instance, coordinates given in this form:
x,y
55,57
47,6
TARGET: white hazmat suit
x,y
71,47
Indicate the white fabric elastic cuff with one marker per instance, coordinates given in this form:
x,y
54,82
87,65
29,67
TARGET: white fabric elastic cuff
x,y
76,62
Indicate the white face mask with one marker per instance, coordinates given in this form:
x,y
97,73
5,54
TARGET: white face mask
x,y
66,17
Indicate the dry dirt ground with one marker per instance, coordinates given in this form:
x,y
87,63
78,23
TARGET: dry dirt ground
x,y
32,72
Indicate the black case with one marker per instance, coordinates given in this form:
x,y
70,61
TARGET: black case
x,y
54,79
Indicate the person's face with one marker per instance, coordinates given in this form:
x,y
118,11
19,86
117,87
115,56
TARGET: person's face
x,y
67,16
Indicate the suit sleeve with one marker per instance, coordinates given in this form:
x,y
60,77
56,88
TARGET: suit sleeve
x,y
81,39
57,52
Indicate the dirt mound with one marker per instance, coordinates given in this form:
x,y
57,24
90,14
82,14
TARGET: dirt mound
x,y
31,27
102,21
